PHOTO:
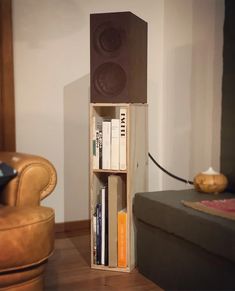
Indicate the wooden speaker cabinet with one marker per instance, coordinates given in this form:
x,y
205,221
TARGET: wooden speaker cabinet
x,y
118,56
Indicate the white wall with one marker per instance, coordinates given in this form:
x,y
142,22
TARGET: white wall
x,y
192,82
51,54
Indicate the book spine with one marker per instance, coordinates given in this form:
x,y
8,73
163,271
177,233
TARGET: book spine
x,y
106,148
116,200
97,150
106,253
123,138
94,142
100,148
122,239
98,234
115,144
94,224
97,135
112,223
103,208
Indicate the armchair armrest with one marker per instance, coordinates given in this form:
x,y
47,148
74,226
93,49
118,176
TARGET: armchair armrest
x,y
36,178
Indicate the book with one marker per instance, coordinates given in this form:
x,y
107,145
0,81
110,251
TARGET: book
x,y
116,202
221,207
123,138
95,143
106,146
99,136
96,159
115,144
100,139
94,218
104,225
94,151
98,234
122,238
106,242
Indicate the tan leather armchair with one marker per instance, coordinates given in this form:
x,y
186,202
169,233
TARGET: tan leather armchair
x,y
26,228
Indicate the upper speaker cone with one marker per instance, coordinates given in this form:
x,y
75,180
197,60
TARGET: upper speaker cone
x,y
107,39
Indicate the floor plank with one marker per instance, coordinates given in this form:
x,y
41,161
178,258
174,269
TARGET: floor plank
x,y
69,270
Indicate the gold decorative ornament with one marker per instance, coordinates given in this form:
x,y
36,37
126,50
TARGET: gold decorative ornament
x,y
210,181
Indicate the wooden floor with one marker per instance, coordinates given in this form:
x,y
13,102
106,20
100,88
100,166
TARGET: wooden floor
x,y
69,270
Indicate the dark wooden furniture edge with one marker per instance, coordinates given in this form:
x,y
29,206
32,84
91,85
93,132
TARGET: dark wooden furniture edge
x,y
72,228
7,100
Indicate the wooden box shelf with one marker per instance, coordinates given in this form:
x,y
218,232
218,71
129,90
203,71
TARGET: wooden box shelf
x,y
134,177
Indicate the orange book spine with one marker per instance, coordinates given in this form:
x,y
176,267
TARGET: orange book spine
x,y
122,239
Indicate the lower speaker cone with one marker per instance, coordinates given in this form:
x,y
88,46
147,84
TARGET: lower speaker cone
x,y
110,79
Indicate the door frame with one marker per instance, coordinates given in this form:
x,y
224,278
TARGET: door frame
x,y
7,99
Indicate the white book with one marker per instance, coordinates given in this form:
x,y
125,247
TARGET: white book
x,y
106,146
102,225
123,138
115,144
94,237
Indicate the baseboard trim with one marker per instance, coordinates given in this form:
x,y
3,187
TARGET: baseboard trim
x,y
71,226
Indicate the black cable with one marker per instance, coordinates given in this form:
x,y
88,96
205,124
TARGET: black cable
x,y
168,173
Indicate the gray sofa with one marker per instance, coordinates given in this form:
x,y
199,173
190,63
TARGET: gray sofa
x,y
180,248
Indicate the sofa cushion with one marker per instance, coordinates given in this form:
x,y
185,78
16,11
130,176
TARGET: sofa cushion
x,y
26,236
6,174
164,210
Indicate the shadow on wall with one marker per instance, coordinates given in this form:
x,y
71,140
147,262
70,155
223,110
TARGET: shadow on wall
x,y
76,149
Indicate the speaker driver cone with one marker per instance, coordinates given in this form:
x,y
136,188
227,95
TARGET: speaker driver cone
x,y
107,39
109,79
